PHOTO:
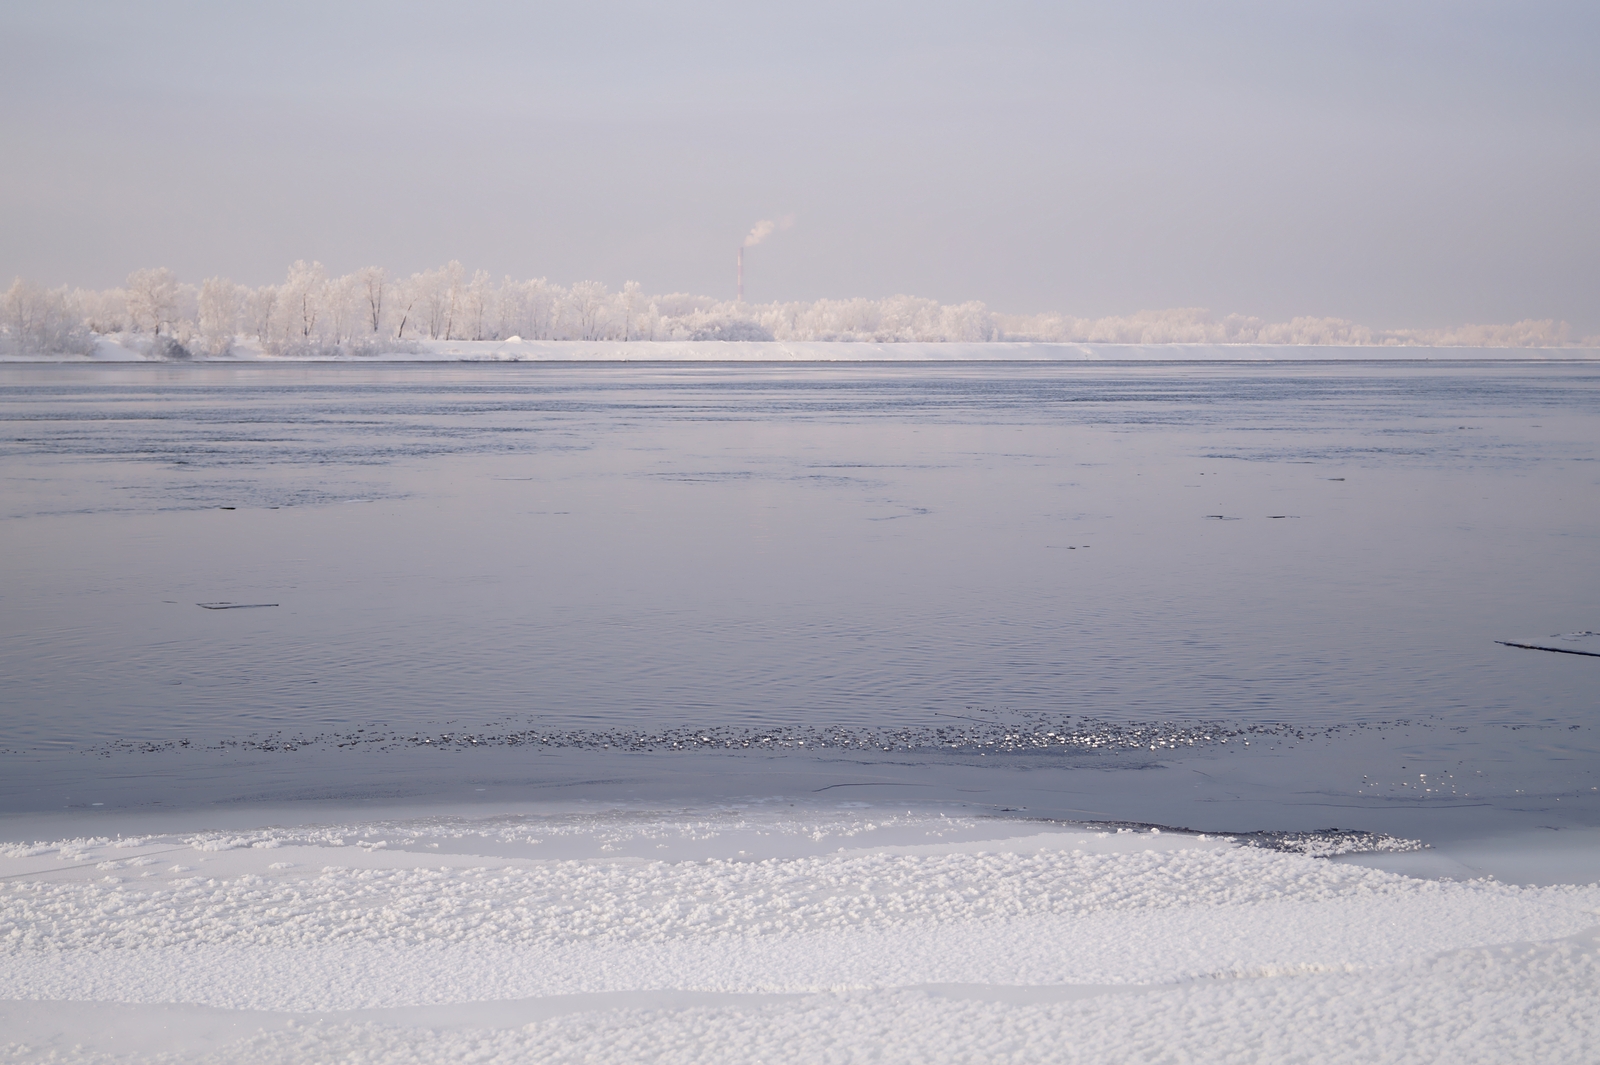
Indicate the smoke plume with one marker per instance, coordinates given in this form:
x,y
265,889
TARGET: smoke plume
x,y
765,228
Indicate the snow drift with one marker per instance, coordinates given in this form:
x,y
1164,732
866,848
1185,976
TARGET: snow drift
x,y
844,934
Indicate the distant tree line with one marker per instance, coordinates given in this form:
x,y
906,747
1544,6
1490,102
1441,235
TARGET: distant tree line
x,y
369,311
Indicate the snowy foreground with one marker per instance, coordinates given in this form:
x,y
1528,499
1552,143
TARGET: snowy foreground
x,y
771,934
122,348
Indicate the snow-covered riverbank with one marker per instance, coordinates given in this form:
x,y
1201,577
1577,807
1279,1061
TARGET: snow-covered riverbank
x,y
770,932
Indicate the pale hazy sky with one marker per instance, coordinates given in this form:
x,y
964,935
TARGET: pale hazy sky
x,y
1402,164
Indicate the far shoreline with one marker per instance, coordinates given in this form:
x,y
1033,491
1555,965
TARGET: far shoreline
x,y
122,349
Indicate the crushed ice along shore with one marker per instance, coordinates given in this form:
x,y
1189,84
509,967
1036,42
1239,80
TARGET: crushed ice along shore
x,y
1035,733
840,934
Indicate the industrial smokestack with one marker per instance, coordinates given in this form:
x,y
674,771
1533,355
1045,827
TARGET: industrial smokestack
x,y
759,232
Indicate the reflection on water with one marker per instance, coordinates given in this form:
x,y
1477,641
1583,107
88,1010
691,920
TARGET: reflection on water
x,y
605,550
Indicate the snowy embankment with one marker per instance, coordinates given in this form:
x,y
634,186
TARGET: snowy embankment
x,y
125,349
848,934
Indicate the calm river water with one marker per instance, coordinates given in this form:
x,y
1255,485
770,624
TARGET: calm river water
x,y
1009,581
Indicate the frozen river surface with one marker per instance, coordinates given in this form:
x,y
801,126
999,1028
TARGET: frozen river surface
x,y
1233,597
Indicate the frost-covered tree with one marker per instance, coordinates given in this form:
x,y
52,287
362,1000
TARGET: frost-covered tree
x,y
682,304
454,278
219,306
406,295
968,322
588,304
477,304
631,306
433,290
373,282
300,302
152,299
342,309
42,321
511,309
543,301
439,298
648,324
104,311
261,309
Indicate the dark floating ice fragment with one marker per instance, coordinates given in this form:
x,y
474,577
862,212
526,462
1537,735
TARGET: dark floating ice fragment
x,y
1590,646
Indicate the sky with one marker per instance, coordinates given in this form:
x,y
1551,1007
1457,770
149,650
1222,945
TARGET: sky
x,y
1400,164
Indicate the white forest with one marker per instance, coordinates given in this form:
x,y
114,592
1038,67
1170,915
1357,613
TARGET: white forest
x,y
371,311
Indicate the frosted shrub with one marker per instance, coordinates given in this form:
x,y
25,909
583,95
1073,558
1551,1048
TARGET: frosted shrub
x,y
170,349
733,330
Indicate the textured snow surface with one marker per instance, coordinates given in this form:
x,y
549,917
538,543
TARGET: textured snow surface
x,y
845,935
